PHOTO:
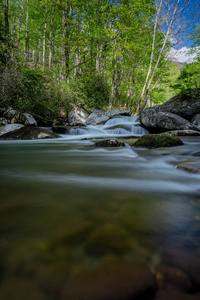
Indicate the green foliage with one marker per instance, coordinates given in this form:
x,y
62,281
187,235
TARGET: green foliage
x,y
91,90
189,77
33,91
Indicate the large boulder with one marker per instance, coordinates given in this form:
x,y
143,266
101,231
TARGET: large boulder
x,y
99,116
175,114
162,121
29,133
152,141
77,116
185,105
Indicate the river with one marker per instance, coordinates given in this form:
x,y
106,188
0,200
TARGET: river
x,y
66,202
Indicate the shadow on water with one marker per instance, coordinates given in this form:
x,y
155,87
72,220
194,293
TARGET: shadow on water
x,y
69,209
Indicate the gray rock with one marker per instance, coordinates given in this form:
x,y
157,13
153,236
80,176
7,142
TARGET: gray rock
x,y
10,128
99,116
29,133
184,105
27,119
77,116
150,118
196,120
174,114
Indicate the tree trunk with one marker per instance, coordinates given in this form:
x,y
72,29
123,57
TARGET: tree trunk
x,y
20,22
51,42
27,35
6,21
44,38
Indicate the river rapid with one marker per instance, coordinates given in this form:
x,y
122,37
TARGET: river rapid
x,y
67,204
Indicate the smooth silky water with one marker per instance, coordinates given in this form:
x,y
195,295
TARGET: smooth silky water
x,y
66,202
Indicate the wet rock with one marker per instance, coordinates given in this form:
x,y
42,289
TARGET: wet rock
x,y
99,116
166,276
115,282
109,143
77,115
51,278
10,128
21,289
108,237
183,132
196,120
29,133
157,140
192,167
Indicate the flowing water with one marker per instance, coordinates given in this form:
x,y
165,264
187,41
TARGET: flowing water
x,y
65,202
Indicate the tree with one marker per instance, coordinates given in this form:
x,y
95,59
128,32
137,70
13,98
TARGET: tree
x,y
167,19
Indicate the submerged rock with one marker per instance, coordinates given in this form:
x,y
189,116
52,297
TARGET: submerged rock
x,y
166,276
157,140
192,167
29,133
108,237
21,289
109,143
114,282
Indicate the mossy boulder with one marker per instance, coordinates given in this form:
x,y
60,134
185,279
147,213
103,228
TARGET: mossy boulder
x,y
157,140
109,143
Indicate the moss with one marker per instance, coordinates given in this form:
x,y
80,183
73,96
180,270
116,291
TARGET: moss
x,y
109,143
157,140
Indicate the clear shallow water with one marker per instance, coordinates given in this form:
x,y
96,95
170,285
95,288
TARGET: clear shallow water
x,y
65,202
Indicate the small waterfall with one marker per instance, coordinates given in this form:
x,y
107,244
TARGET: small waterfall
x,y
118,126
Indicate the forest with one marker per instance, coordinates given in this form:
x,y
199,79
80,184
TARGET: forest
x,y
94,54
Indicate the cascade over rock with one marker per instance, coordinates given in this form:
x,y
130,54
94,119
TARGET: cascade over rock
x,y
174,114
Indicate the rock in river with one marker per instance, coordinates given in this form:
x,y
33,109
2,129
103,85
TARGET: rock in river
x,y
29,133
157,140
109,143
